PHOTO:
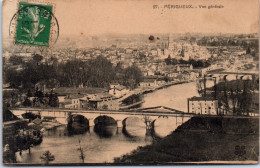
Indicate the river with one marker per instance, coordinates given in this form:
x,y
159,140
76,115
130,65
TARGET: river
x,y
103,146
174,96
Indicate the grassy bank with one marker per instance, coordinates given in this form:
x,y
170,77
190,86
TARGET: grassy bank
x,y
202,139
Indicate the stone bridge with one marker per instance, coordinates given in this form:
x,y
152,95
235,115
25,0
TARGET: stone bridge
x,y
231,76
148,115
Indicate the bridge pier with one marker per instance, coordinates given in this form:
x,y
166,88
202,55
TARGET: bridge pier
x,y
91,122
119,124
149,128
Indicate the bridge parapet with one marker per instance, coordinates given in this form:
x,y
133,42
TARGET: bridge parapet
x,y
118,116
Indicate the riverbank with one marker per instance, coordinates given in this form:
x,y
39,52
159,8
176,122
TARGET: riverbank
x,y
202,139
150,89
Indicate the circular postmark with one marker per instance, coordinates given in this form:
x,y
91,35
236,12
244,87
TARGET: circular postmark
x,y
34,25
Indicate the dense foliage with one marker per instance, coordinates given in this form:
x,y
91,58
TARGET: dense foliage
x,y
236,96
98,72
194,63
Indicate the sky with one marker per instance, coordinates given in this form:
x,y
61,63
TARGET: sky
x,y
93,17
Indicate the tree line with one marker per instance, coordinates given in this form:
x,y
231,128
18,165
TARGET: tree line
x,y
194,63
236,96
97,72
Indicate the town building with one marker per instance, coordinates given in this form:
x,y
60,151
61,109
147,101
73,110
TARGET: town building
x,y
184,67
103,101
75,102
148,82
203,106
118,90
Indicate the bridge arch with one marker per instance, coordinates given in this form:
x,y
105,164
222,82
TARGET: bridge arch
x,y
25,114
134,126
132,120
164,125
247,77
105,120
225,77
81,119
77,124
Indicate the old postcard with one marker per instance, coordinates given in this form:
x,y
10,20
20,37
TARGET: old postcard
x,y
130,82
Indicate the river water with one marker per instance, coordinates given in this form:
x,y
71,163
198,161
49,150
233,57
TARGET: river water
x,y
174,96
103,146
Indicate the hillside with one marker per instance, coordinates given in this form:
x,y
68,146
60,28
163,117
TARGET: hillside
x,y
202,139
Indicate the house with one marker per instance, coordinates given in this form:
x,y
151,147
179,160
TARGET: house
x,y
148,73
202,105
183,67
148,82
103,101
117,90
77,101
172,74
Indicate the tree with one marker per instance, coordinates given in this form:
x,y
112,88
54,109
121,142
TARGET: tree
x,y
47,157
38,93
118,67
166,79
192,39
168,60
132,76
182,52
234,101
8,155
16,60
53,100
82,155
73,73
29,93
13,77
248,50
37,58
24,141
100,72
30,74
27,102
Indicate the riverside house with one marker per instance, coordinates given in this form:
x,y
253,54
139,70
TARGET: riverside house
x,y
201,105
103,101
75,98
148,82
75,102
118,90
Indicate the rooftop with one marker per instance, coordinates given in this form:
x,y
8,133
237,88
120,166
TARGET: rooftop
x,y
74,96
118,87
99,96
201,99
73,90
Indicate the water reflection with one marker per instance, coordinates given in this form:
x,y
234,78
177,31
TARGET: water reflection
x,y
164,126
77,131
105,131
102,143
126,133
134,127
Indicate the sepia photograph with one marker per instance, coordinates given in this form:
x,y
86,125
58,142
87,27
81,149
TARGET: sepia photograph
x,y
130,82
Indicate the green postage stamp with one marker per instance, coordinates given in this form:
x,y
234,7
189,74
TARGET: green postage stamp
x,y
33,24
